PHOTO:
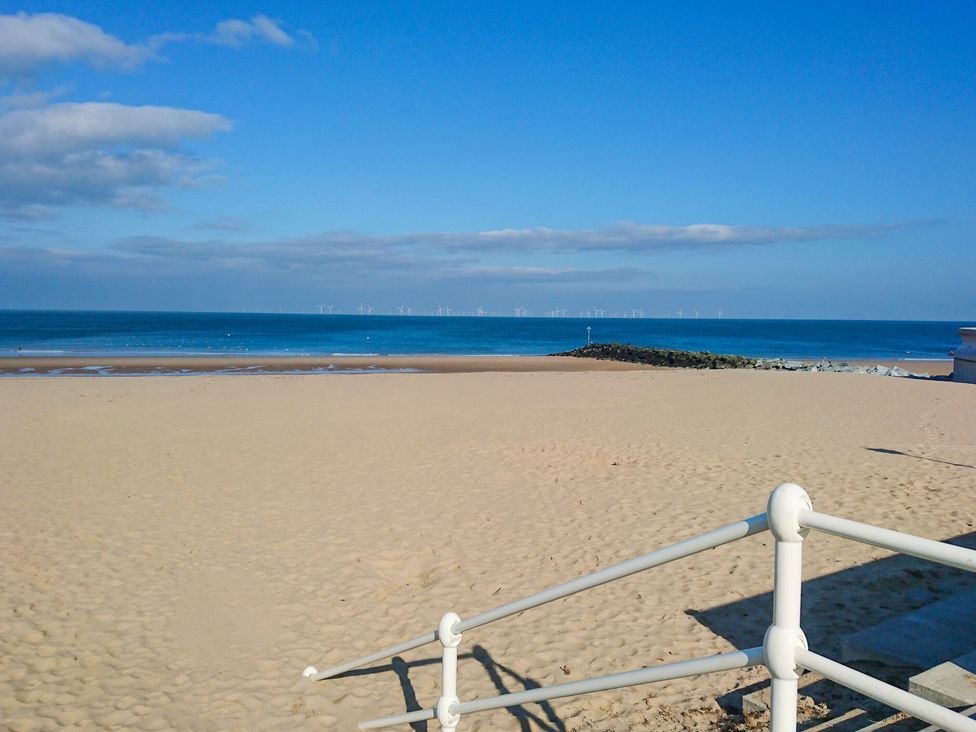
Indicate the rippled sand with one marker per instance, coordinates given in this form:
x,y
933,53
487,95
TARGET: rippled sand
x,y
176,551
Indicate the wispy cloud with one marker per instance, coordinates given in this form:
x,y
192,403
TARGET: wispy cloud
x,y
230,224
353,256
33,99
445,267
235,32
305,265
643,238
626,238
548,275
29,42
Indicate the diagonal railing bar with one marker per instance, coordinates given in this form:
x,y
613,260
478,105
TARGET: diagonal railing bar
x,y
420,715
885,693
664,672
916,546
700,543
396,650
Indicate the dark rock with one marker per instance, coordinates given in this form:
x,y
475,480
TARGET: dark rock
x,y
660,356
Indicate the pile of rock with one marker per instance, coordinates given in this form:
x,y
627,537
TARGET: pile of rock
x,y
779,364
660,356
705,360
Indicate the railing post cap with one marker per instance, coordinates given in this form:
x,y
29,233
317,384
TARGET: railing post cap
x,y
783,512
445,630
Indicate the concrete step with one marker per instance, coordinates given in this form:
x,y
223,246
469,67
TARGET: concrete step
x,y
951,684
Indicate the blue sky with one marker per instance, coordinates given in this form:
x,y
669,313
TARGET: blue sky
x,y
771,160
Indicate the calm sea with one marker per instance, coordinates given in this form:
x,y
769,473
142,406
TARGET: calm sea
x,y
39,333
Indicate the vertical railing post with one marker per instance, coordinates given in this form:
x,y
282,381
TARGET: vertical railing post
x,y
784,635
450,642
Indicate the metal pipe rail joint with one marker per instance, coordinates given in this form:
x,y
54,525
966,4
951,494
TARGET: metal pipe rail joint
x,y
785,652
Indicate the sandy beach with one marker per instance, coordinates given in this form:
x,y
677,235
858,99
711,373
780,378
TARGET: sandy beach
x,y
176,551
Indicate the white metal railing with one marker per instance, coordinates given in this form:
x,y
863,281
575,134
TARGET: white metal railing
x,y
784,652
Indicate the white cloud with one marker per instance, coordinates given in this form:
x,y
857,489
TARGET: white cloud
x,y
236,32
30,41
67,127
644,238
98,154
455,247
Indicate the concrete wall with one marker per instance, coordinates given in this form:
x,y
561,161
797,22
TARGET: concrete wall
x,y
964,363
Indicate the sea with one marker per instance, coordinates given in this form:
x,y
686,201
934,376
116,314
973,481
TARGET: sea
x,y
102,333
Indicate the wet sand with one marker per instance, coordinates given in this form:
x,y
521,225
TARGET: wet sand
x,y
76,365
96,365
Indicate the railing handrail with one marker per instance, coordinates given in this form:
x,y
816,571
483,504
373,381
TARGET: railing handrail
x,y
662,672
784,650
934,551
685,548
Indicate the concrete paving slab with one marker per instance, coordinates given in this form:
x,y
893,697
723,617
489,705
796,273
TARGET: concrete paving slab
x,y
921,639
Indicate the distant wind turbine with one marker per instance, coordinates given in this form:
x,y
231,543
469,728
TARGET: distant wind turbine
x,y
681,314
361,309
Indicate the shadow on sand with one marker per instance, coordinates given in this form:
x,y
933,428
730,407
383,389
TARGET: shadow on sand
x,y
887,451
834,606
505,680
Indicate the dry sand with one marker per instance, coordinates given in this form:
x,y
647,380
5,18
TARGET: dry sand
x,y
176,551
